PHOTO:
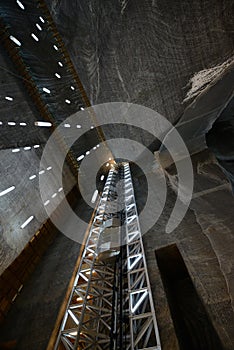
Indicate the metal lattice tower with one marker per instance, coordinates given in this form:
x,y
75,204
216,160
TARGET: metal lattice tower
x,y
143,325
111,306
87,320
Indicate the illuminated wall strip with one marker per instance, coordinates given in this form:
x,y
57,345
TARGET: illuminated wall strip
x,y
9,98
7,191
16,41
38,26
27,222
80,157
46,90
19,3
34,37
94,197
46,124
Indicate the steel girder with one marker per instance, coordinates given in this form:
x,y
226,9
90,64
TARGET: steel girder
x,y
143,325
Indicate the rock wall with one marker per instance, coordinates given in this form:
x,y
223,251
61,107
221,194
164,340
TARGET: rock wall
x,y
144,51
205,241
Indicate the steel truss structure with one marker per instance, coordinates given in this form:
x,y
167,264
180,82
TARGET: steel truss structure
x,y
111,305
88,317
143,325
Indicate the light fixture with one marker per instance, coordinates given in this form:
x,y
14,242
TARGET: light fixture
x,y
94,197
39,123
19,3
27,222
34,37
38,26
80,157
7,191
46,90
16,41
8,98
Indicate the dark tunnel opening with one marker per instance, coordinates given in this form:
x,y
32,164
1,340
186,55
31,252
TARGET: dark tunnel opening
x,y
192,324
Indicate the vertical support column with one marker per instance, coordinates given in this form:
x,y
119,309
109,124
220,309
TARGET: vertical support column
x,y
143,325
94,318
87,320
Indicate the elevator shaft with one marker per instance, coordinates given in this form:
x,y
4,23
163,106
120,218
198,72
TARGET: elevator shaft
x,y
110,305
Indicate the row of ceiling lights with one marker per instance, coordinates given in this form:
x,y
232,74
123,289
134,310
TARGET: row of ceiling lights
x,y
41,123
45,204
9,98
18,43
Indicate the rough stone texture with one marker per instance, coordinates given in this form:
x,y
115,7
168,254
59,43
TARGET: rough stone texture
x,y
144,51
25,200
20,110
205,240
41,58
35,310
42,62
148,52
